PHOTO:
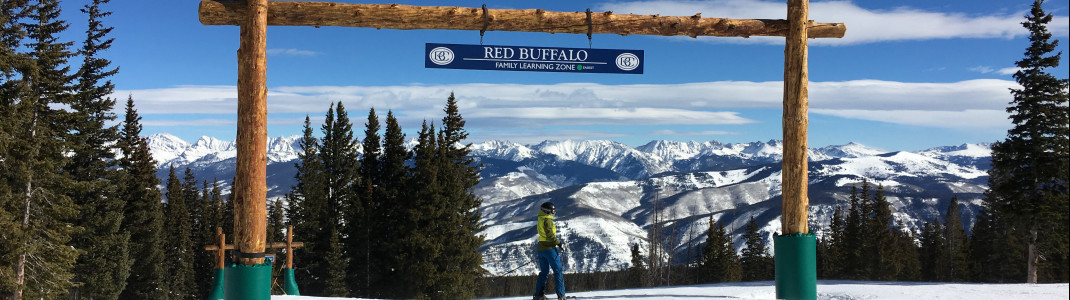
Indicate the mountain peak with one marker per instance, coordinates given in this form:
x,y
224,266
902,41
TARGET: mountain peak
x,y
165,147
850,150
502,150
964,150
211,143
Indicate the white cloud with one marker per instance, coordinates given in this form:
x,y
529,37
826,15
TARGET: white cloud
x,y
610,116
690,133
1001,71
1008,71
291,52
863,25
532,137
185,123
965,119
494,106
1059,26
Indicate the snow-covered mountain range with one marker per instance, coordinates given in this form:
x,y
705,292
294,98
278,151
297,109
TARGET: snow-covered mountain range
x,y
607,192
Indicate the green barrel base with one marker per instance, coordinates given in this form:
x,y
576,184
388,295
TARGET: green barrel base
x,y
217,286
289,284
795,256
248,282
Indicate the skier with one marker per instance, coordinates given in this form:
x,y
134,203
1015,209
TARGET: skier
x,y
548,250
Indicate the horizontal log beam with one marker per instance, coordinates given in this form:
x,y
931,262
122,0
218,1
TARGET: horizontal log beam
x,y
407,17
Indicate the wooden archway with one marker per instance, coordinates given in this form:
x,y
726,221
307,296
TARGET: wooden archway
x,y
255,15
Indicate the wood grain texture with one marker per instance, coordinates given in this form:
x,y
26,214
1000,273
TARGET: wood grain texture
x,y
250,182
796,100
408,17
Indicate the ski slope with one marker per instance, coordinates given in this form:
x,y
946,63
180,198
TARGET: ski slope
x,y
826,289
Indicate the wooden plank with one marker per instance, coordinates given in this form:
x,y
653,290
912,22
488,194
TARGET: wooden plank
x,y
216,247
275,245
250,206
796,100
408,17
279,245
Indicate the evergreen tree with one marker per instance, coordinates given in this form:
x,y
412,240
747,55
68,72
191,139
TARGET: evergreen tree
x,y
205,222
832,261
276,226
201,262
393,180
461,261
422,212
12,87
756,262
178,244
637,271
334,280
932,251
997,251
104,266
307,212
1028,179
369,275
218,207
36,153
719,260
276,232
881,251
854,237
143,215
955,255
228,211
11,35
341,180
369,162
906,264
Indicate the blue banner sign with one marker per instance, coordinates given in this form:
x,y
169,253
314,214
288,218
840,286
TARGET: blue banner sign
x,y
537,59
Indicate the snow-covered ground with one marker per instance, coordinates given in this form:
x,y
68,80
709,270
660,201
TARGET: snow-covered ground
x,y
826,289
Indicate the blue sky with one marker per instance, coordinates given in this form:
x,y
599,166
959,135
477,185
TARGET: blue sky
x,y
908,75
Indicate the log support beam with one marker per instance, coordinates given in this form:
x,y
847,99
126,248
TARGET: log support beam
x,y
795,249
408,17
796,100
250,182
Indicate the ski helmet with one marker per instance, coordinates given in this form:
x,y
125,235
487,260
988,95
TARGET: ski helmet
x,y
549,208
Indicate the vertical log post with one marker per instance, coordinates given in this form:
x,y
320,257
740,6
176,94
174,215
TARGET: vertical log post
x,y
220,255
220,249
289,281
290,247
795,249
250,206
795,121
250,276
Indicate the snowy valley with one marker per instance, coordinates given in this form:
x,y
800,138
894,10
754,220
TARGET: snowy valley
x,y
607,192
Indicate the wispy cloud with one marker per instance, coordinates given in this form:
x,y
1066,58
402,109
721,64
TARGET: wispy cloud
x,y
531,137
863,25
964,119
1008,71
187,123
1001,71
982,69
518,107
690,133
291,52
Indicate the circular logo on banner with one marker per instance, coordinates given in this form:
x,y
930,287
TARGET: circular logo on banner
x,y
627,61
442,56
